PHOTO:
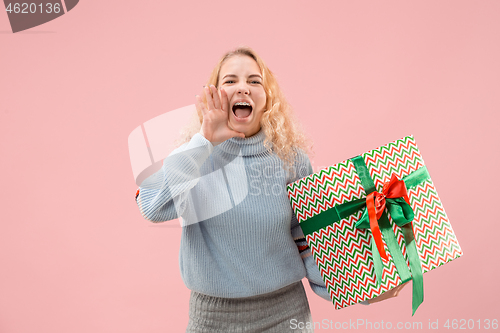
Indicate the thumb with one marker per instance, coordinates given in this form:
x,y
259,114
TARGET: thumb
x,y
235,133
238,134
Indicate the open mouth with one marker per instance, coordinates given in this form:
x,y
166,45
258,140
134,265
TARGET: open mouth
x,y
242,109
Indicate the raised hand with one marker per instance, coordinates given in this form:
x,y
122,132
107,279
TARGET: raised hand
x,y
215,126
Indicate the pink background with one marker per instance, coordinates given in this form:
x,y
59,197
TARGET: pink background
x,y
75,253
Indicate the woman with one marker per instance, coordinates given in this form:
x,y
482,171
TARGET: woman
x,y
243,254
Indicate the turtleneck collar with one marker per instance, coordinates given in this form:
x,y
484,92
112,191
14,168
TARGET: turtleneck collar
x,y
245,146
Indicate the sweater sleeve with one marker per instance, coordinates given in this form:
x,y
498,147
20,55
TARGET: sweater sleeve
x,y
312,270
163,195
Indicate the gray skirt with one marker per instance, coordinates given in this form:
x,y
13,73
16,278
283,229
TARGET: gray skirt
x,y
278,311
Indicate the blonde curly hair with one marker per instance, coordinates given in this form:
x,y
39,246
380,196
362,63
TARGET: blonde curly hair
x,y
278,122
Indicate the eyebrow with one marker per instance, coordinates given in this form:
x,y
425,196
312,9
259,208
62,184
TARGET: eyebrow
x,y
232,75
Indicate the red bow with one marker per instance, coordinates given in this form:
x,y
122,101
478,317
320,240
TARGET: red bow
x,y
375,204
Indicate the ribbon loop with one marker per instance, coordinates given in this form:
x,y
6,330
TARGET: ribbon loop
x,y
393,196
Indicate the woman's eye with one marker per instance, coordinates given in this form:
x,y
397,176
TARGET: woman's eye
x,y
255,82
229,81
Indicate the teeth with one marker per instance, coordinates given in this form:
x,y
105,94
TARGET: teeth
x,y
242,104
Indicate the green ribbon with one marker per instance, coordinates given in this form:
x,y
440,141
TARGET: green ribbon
x,y
401,213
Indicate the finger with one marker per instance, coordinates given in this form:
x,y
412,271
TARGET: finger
x,y
398,289
225,102
239,134
216,98
210,102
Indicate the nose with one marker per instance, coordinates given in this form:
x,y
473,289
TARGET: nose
x,y
243,89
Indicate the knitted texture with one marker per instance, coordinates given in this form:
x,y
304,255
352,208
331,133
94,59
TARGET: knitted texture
x,y
279,311
240,237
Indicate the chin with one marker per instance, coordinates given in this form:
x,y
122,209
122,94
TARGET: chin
x,y
242,128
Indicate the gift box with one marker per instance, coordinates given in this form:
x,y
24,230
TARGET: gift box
x,y
373,222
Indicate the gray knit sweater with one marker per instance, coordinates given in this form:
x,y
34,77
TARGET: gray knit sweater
x,y
240,237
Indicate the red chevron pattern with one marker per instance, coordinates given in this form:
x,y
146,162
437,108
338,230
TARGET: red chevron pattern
x,y
343,261
338,184
342,252
434,235
400,157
